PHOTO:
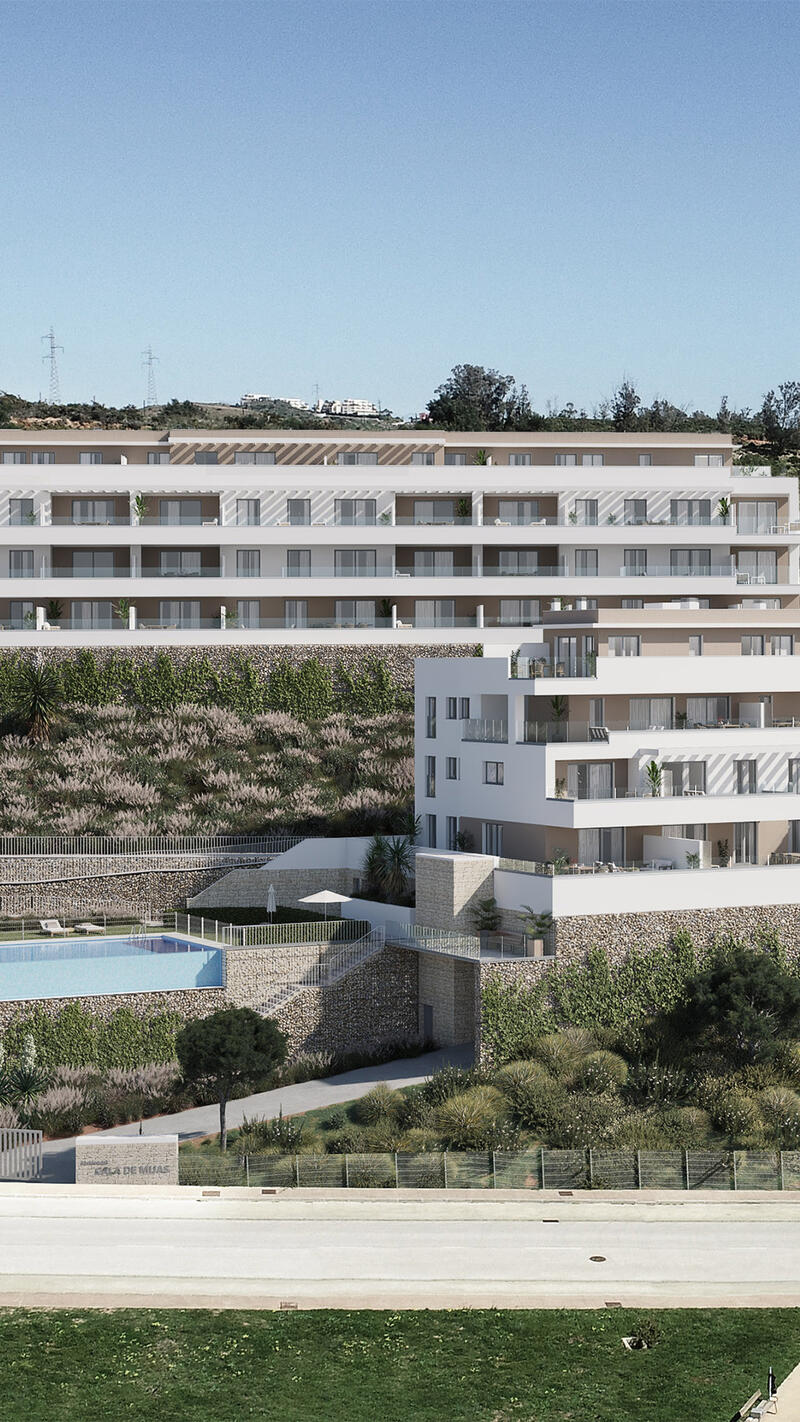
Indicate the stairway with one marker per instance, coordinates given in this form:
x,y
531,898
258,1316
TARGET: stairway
x,y
332,964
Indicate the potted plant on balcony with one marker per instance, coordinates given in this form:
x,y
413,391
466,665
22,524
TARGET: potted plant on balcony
x,y
537,926
724,510
140,508
122,610
561,789
54,611
481,457
560,861
723,853
464,508
692,860
559,707
655,777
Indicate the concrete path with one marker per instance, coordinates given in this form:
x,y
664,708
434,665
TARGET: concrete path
x,y
59,1156
179,1247
789,1397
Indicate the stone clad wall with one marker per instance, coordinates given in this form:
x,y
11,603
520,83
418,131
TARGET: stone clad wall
x,y
450,987
376,1002
247,888
187,1002
449,887
123,893
617,934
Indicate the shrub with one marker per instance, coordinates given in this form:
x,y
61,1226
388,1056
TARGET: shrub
x,y
736,1114
472,1119
281,1135
684,1126
418,1139
582,1121
371,1172
451,1081
61,1110
378,1104
780,1110
536,1099
336,1120
561,1052
602,1071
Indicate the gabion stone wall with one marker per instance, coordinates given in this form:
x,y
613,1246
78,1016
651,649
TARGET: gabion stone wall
x,y
617,934
399,659
375,1003
135,894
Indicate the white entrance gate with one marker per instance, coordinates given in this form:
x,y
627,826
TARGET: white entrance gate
x,y
20,1154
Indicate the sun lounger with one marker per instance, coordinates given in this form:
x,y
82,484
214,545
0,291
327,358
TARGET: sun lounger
x,y
52,926
89,928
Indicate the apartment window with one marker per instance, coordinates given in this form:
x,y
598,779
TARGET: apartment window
x,y
354,562
591,460
90,456
93,511
745,843
15,456
180,511
565,460
746,777
491,838
20,563
645,461
597,711
708,461
423,456
21,614
635,562
635,511
435,612
87,615
519,611
511,561
430,776
248,563
624,645
463,708
493,772
295,612
752,645
794,776
687,562
20,511
632,604
430,716
452,832
298,562
158,456
757,565
43,456
206,456
520,511
782,644
434,511
757,516
248,612
451,768
430,830
684,777
355,511
590,780
298,512
585,511
180,563
585,562
179,614
248,512
695,644
346,456
707,711
256,456
455,459
690,512
651,713
351,612
452,708
93,563
519,460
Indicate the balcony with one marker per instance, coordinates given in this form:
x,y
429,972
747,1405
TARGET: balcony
x,y
535,668
478,728
563,732
109,521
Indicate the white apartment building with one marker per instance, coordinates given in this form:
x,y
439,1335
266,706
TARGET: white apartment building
x,y
650,724
389,538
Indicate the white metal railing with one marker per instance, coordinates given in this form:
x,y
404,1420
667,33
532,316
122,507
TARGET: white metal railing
x,y
435,940
20,1154
330,964
58,845
271,935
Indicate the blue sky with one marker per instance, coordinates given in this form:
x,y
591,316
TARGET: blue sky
x,y
360,193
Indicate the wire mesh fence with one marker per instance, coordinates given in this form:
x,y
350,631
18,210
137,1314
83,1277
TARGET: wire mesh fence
x,y
534,1169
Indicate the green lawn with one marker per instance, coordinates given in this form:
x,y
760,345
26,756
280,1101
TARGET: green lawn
x,y
457,1366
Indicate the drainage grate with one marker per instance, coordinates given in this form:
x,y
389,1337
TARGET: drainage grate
x,y
597,1258
287,1303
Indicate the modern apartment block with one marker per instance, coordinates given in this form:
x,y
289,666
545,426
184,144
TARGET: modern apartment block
x,y
393,537
652,722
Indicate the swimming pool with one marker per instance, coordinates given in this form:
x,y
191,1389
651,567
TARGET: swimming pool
x,y
89,967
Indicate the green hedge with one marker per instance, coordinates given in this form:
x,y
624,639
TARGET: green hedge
x,y
308,691
595,993
76,1036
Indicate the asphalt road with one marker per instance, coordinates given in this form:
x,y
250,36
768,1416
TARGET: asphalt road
x,y
180,1248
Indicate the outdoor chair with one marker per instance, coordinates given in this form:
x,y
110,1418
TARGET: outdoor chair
x,y
53,927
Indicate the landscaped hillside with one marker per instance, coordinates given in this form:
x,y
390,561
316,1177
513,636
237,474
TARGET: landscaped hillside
x,y
123,771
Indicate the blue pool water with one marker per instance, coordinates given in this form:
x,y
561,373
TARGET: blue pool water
x,y
87,967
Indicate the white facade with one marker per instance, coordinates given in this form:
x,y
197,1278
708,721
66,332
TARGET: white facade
x,y
376,538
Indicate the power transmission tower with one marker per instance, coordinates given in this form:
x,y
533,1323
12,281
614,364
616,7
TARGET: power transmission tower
x,y
55,391
149,364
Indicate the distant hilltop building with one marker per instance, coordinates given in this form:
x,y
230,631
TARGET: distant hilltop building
x,y
257,402
361,408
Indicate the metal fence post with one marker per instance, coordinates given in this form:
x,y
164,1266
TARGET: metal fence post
x,y
444,1159
591,1169
494,1170
541,1152
247,1170
686,1166
639,1169
396,1174
735,1185
297,1170
346,1172
780,1156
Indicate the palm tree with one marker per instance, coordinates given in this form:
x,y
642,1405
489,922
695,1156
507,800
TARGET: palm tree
x,y
35,699
400,862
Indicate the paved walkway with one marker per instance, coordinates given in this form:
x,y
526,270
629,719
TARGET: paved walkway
x,y
59,1156
789,1397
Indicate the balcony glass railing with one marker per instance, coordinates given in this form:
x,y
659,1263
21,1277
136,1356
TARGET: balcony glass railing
x,y
482,729
545,732
531,668
108,521
643,792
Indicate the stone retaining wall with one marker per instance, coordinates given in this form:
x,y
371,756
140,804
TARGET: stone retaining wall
x,y
136,894
188,1002
399,660
247,888
376,1002
617,934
